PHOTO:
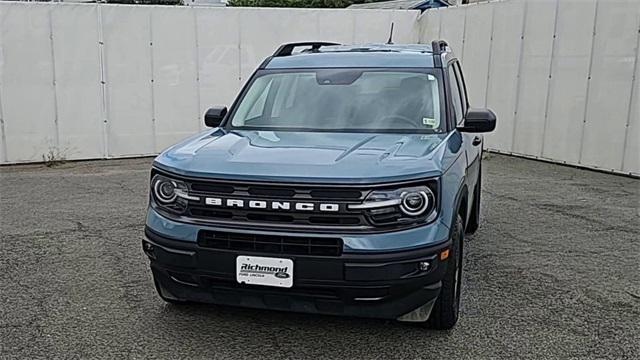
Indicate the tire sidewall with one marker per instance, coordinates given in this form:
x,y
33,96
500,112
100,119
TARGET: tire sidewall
x,y
446,310
455,267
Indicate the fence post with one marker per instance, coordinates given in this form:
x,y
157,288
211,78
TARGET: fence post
x,y
549,87
518,75
464,35
633,96
3,139
154,140
103,85
587,94
56,135
197,61
486,91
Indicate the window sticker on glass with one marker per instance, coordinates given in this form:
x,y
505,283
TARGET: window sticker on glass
x,y
430,122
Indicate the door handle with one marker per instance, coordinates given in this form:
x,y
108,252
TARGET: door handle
x,y
476,141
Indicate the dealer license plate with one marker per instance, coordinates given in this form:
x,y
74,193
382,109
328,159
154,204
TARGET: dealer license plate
x,y
256,270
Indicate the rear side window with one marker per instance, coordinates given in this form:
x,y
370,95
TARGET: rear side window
x,y
455,95
461,87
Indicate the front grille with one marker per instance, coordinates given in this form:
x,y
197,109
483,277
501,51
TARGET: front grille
x,y
275,217
272,244
276,192
268,216
226,284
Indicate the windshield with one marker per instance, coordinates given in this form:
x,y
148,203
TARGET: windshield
x,y
342,100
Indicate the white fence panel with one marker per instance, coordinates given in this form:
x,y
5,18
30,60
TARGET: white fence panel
x,y
127,49
371,25
429,26
569,78
560,76
374,26
78,75
28,98
503,70
218,43
3,145
405,27
175,75
534,77
263,30
611,81
477,50
453,33
335,25
631,160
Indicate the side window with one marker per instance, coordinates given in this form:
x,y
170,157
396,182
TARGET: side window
x,y
462,87
455,95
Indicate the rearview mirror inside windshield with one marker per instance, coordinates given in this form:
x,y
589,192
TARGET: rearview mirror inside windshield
x,y
337,76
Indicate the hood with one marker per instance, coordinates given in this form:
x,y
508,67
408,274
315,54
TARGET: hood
x,y
305,156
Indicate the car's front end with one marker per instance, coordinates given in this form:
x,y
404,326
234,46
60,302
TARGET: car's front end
x,y
371,250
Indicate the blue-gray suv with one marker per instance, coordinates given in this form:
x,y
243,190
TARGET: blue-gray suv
x,y
341,181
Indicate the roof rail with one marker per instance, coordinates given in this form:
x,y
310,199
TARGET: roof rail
x,y
439,46
287,49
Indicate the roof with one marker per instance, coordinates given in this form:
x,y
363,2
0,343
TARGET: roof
x,y
401,4
368,55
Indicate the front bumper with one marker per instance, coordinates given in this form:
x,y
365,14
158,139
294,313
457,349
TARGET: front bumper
x,y
380,285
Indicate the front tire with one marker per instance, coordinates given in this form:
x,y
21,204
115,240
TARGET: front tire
x,y
474,218
445,312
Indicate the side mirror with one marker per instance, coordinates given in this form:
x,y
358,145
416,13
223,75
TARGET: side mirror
x,y
213,117
479,121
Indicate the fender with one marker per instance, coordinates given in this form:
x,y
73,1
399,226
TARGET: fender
x,y
462,192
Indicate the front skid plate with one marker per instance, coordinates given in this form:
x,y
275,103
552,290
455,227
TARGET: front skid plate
x,y
421,314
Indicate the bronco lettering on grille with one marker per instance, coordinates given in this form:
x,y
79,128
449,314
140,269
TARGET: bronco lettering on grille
x,y
272,205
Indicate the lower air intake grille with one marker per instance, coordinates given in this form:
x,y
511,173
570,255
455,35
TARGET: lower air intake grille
x,y
272,244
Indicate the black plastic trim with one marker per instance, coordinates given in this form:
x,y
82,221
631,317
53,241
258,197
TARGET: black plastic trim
x,y
376,256
384,285
287,49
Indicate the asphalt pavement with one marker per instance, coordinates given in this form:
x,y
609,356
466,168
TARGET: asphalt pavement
x,y
552,273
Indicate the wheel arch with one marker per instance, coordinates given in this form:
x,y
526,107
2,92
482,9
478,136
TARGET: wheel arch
x,y
461,206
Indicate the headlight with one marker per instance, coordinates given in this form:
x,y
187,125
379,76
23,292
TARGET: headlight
x,y
165,190
171,194
404,205
415,202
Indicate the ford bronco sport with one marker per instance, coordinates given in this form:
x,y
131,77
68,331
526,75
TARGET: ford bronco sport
x,y
341,181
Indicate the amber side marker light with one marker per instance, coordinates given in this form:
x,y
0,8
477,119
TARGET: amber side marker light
x,y
444,254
